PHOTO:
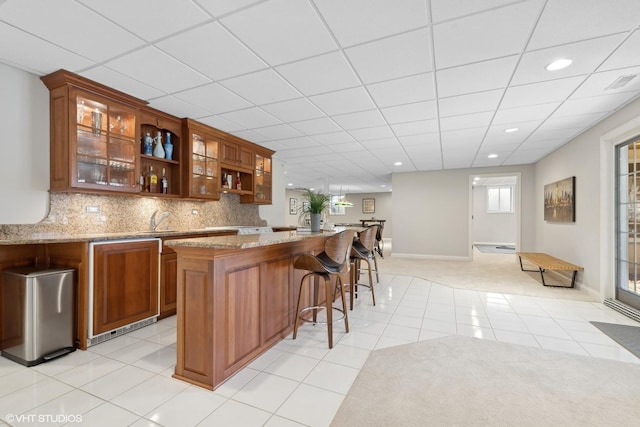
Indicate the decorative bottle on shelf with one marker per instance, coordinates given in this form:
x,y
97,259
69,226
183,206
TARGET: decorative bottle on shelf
x,y
224,180
141,182
158,151
238,182
147,145
168,148
165,183
153,181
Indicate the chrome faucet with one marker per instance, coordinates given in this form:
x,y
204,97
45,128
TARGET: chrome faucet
x,y
154,224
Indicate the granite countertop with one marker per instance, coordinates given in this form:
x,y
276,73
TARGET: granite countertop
x,y
94,237
246,241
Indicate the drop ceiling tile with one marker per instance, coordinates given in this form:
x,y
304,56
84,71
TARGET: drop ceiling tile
x,y
594,104
222,7
167,73
426,139
324,73
524,157
479,77
540,93
566,21
316,126
250,136
500,32
294,110
212,51
299,142
214,98
358,21
473,137
148,21
507,116
262,87
362,119
375,144
582,121
177,107
472,103
278,132
443,10
344,101
596,84
415,128
121,82
627,55
220,123
346,147
371,133
586,56
466,121
75,28
36,55
333,138
268,30
251,118
410,112
403,91
404,55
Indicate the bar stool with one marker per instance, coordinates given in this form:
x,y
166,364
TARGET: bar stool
x,y
333,262
363,250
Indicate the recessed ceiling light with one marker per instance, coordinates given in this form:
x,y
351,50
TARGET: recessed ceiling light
x,y
382,185
492,156
476,178
511,130
558,64
290,184
397,164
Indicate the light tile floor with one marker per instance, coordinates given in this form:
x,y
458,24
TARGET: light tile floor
x,y
127,381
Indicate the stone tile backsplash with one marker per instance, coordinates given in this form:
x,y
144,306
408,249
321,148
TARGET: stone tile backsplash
x,y
71,214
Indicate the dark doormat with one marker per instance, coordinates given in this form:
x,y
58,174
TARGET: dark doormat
x,y
496,249
625,335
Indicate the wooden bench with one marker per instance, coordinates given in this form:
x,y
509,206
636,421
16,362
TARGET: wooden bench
x,y
547,262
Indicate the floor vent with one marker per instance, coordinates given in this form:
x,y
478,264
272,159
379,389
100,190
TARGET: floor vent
x,y
623,308
120,331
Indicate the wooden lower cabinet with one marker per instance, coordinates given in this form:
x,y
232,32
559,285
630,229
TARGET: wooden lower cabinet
x,y
168,283
125,283
233,305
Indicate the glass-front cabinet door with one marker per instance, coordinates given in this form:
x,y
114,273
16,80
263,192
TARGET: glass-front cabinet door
x,y
263,179
105,149
203,169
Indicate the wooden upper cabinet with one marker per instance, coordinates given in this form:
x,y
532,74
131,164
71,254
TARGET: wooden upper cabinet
x,y
94,136
236,155
201,176
97,144
262,187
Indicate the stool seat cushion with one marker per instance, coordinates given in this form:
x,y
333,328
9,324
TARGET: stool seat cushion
x,y
320,263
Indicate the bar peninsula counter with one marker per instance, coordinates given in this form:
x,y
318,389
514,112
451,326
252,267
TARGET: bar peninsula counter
x,y
236,298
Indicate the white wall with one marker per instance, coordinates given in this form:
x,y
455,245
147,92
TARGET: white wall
x,y
584,242
431,211
24,144
273,213
498,228
353,214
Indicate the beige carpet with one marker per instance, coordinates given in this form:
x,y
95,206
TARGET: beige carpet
x,y
460,381
487,272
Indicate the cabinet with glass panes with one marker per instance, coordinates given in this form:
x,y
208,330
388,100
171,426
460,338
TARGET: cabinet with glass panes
x,y
94,136
200,164
262,190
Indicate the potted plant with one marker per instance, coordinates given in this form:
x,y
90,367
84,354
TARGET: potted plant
x,y
318,204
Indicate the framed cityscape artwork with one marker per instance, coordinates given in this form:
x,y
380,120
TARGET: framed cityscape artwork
x,y
559,201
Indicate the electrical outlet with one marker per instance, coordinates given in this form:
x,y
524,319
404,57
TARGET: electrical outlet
x,y
93,209
194,211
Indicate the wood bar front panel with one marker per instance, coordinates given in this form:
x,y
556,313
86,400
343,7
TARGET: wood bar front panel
x,y
233,305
